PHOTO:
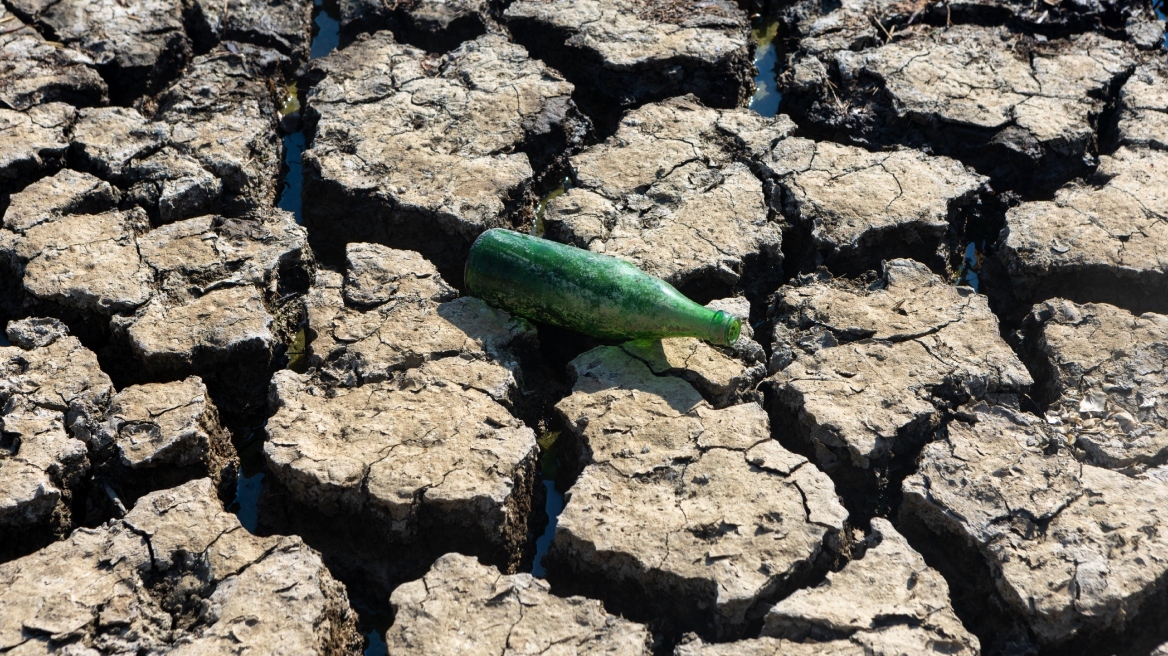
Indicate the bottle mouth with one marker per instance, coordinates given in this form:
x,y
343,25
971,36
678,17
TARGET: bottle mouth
x,y
727,328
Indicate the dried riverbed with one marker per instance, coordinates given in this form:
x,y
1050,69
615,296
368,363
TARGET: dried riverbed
x,y
245,404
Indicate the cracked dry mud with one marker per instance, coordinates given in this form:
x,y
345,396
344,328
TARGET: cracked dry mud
x,y
75,452
1024,112
685,515
1072,547
870,469
33,71
463,607
1104,380
176,575
667,194
860,207
624,53
52,394
432,25
1099,240
404,425
193,297
424,152
905,347
888,602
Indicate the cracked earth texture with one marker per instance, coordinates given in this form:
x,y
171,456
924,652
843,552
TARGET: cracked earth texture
x,y
887,462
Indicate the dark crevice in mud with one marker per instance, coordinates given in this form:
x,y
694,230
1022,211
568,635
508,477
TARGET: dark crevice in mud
x,y
560,460
432,35
557,474
1139,636
373,627
972,588
865,493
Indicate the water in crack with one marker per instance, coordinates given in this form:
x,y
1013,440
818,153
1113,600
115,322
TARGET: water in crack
x,y
970,266
325,37
1161,9
4,340
549,468
249,482
326,34
766,58
377,645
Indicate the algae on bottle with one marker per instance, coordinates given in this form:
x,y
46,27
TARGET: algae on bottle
x,y
588,292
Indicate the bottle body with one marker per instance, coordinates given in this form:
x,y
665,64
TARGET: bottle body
x,y
588,292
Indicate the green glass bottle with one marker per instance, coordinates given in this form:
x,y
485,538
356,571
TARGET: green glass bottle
x,y
588,292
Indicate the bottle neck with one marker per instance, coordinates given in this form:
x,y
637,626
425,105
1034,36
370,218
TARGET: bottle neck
x,y
724,328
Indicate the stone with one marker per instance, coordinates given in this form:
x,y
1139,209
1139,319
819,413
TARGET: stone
x,y
1020,110
1103,378
886,602
860,207
403,431
1098,241
685,515
1073,548
138,45
52,393
625,53
424,153
432,25
1143,107
667,193
463,607
178,574
32,143
33,71
903,348
285,25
